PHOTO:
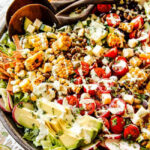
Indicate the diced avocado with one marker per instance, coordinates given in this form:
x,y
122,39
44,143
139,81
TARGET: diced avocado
x,y
70,141
55,109
55,125
27,22
88,134
45,28
90,122
75,129
37,24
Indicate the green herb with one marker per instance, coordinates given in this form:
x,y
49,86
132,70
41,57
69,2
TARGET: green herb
x,y
31,134
114,121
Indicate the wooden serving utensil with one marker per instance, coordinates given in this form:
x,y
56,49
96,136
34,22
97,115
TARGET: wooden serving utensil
x,y
54,5
41,12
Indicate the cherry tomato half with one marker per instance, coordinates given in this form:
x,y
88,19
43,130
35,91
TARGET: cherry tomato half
x,y
107,73
60,101
103,8
78,80
133,34
113,20
138,22
103,111
89,108
120,67
117,106
112,53
73,100
99,72
85,68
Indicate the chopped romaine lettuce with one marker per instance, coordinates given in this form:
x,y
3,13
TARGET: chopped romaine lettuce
x,y
6,45
31,134
21,97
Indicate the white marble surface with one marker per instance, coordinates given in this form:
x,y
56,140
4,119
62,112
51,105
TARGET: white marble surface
x,y
5,138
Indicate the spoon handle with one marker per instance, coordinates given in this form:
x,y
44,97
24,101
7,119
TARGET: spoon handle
x,y
57,5
64,19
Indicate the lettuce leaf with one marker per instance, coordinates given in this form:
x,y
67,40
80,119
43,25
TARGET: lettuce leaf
x,y
31,134
21,97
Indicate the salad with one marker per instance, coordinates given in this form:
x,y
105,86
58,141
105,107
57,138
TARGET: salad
x,y
82,86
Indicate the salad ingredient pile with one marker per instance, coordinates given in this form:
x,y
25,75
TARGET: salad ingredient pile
x,y
82,86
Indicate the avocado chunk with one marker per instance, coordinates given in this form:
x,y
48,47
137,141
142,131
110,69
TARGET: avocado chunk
x,y
56,110
66,138
70,141
90,122
55,125
45,28
27,22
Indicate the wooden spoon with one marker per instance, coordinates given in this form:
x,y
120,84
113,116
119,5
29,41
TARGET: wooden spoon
x,y
53,5
31,11
38,11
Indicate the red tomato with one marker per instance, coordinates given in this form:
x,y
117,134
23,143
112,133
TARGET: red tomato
x,y
60,101
94,10
73,100
133,34
98,104
85,68
103,8
120,67
90,108
106,122
117,106
113,20
78,80
117,124
102,88
138,22
112,52
99,72
107,73
145,37
103,111
95,65
131,132
90,88
121,58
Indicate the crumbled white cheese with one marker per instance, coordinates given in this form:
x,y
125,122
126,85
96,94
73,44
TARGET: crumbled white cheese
x,y
98,50
132,43
128,52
